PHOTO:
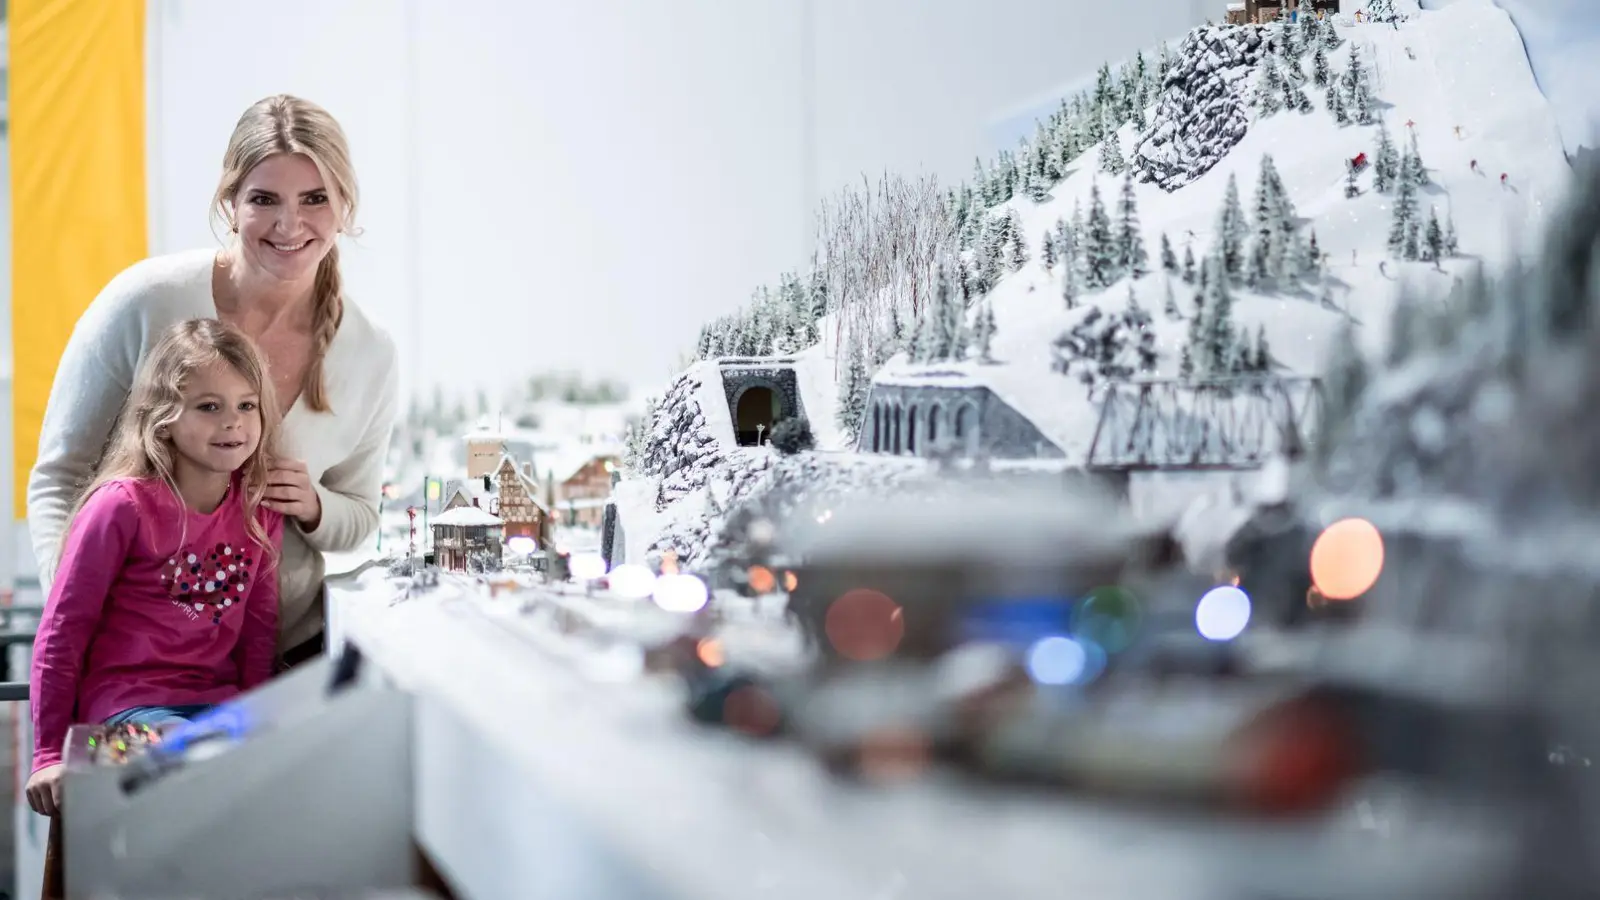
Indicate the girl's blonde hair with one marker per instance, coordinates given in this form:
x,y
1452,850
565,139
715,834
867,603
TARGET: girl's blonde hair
x,y
138,447
285,124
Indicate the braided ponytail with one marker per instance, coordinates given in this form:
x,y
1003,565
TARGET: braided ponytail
x,y
327,311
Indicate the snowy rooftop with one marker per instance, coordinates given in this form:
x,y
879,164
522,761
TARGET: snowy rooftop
x,y
466,516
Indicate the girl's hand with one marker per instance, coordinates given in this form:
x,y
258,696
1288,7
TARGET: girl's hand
x,y
290,493
44,790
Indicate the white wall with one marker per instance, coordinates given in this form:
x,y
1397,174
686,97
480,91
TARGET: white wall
x,y
594,180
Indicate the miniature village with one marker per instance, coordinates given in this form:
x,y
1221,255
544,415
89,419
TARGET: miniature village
x,y
497,513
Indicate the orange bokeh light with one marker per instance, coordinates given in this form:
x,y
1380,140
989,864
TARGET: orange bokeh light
x,y
1347,559
864,625
762,581
752,710
790,581
710,652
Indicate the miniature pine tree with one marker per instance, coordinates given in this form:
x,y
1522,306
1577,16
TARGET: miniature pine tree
x,y
1306,20
1451,246
1350,79
1232,229
1099,245
1385,162
1219,330
1312,266
1289,59
1269,86
1321,74
950,315
853,388
1194,348
1076,234
1169,305
1169,259
1111,160
1330,34
1337,105
1266,255
983,333
1188,264
1364,103
1185,363
1351,187
1418,171
1262,355
1019,251
1131,256
1433,239
1069,286
1403,226
1240,355
1047,252
894,339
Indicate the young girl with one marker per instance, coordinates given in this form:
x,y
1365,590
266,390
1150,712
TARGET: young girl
x,y
167,595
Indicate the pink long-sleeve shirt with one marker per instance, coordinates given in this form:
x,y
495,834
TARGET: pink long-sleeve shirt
x,y
135,619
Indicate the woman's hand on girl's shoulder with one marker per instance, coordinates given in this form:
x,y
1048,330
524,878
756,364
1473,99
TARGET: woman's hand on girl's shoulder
x,y
289,492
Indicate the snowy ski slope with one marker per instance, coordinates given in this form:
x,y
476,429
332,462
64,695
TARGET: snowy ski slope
x,y
1463,65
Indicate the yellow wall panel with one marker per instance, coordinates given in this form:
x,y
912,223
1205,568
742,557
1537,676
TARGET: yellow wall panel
x,y
77,183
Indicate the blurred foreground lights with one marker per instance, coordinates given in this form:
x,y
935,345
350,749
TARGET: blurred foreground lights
x,y
761,580
522,545
1109,617
752,710
1347,559
893,754
632,581
587,566
710,653
1222,613
762,532
864,625
680,592
1060,661
616,663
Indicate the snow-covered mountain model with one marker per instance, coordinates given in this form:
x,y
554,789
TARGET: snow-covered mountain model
x,y
1225,208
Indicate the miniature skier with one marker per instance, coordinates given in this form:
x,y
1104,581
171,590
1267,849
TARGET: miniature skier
x,y
1383,267
1458,132
1502,179
1475,167
1352,259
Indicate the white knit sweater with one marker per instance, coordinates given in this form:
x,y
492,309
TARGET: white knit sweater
x,y
344,448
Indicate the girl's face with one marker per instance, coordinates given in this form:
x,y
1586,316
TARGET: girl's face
x,y
220,425
286,217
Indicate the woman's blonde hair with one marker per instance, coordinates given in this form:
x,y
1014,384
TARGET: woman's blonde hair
x,y
285,124
139,445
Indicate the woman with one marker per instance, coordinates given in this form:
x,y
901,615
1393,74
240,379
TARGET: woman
x,y
287,192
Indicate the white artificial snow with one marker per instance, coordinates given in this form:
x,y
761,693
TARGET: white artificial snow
x,y
1461,66
1469,70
